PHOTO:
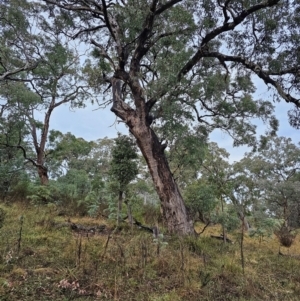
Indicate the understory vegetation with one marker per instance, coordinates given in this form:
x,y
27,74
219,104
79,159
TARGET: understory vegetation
x,y
43,256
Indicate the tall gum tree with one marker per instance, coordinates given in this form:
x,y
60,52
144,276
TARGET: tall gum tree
x,y
39,71
186,64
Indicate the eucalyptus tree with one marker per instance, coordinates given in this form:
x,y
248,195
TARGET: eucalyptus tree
x,y
185,64
201,200
216,171
100,158
82,165
66,151
28,37
235,185
81,169
212,183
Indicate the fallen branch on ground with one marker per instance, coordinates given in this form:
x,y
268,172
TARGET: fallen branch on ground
x,y
222,238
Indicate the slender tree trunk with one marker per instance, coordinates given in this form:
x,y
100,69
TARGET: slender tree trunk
x,y
298,215
285,213
223,227
129,213
242,245
120,201
41,169
40,146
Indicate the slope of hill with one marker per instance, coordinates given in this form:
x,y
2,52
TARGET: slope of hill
x,y
44,256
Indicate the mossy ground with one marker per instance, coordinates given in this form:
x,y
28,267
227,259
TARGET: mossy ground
x,y
50,262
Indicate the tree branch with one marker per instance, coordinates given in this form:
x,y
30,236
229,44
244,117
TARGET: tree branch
x,y
74,7
104,53
264,75
87,30
26,67
107,21
71,96
120,108
166,6
221,29
24,154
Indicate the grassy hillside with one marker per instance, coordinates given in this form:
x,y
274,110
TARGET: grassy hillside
x,y
42,258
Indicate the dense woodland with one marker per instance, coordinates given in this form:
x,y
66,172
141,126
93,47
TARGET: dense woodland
x,y
173,72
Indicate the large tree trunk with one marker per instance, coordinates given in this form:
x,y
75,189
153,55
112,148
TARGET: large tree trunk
x,y
43,175
174,210
40,165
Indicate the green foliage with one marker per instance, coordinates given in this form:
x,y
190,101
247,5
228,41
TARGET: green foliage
x,y
12,171
186,154
39,193
134,200
201,198
270,176
265,227
123,167
228,218
111,194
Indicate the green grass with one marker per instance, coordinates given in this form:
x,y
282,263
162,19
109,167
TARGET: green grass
x,y
54,263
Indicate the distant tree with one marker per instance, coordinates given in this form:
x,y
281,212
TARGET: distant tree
x,y
185,154
215,170
274,172
201,200
123,166
65,152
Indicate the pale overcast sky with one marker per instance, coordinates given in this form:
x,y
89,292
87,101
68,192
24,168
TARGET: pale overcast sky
x,y
92,124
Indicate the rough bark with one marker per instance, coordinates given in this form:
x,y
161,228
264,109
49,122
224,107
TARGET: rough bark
x,y
174,210
43,175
